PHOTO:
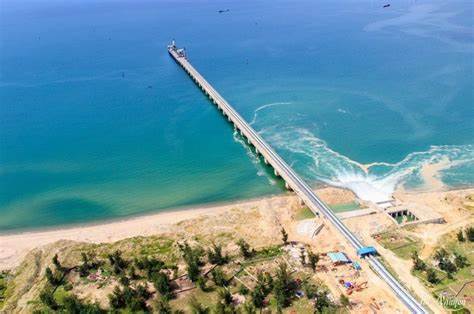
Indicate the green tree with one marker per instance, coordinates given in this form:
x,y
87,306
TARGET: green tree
x,y
192,257
441,254
431,276
323,304
162,284
448,267
281,287
284,235
309,289
470,234
54,278
46,296
245,248
266,281
460,260
215,255
117,299
124,280
258,296
132,273
313,259
149,265
72,305
201,283
460,236
218,277
118,263
243,290
418,263
56,263
225,296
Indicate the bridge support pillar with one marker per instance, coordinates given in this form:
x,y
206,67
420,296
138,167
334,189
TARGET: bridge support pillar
x,y
256,151
287,186
276,173
265,161
301,202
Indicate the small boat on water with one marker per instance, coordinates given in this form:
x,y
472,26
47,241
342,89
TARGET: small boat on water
x,y
386,5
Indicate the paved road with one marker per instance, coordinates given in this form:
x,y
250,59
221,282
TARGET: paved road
x,y
293,181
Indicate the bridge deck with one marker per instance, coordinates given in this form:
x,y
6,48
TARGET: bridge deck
x,y
291,179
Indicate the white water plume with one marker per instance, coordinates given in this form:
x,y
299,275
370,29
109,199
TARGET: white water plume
x,y
374,182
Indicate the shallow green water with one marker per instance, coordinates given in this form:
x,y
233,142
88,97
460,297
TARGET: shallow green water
x,y
97,122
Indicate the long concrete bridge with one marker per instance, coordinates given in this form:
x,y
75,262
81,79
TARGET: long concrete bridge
x,y
292,180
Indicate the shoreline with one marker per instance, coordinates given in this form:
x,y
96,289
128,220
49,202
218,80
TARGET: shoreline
x,y
151,213
217,204
16,245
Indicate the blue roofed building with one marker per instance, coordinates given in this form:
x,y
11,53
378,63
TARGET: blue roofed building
x,y
338,258
366,251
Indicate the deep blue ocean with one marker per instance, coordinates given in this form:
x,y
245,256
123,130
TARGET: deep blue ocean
x,y
97,121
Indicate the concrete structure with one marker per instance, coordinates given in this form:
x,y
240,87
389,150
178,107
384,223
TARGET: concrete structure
x,y
292,180
414,214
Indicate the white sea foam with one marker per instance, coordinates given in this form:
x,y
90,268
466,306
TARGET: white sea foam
x,y
374,182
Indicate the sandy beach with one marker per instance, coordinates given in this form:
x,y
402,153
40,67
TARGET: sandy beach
x,y
14,247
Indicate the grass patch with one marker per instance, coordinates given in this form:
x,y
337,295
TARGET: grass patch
x,y
340,208
304,213
402,246
3,287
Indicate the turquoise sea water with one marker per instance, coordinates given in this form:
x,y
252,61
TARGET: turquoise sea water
x,y
97,121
